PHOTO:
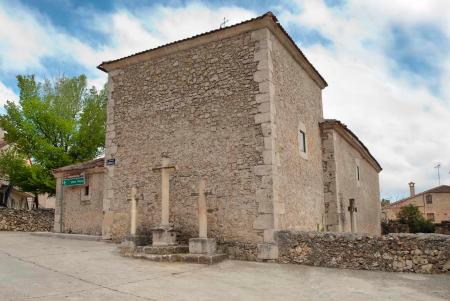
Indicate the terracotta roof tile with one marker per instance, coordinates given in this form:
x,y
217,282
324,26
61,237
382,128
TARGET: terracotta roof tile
x,y
82,166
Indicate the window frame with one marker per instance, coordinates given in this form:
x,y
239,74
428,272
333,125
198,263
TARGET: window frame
x,y
302,140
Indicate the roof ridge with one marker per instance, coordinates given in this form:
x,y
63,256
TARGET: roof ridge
x,y
317,77
268,14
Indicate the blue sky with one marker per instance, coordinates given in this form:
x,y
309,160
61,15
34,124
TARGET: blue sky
x,y
387,62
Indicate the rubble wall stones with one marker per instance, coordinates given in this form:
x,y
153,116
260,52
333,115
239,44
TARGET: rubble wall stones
x,y
24,220
299,179
82,214
419,253
198,108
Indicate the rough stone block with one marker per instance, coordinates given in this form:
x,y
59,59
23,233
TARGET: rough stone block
x,y
165,250
262,170
264,107
263,97
202,246
136,240
263,221
267,157
261,75
268,251
262,117
265,207
164,237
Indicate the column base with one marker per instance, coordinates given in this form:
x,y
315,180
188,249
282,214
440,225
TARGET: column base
x,y
268,251
202,246
164,237
135,240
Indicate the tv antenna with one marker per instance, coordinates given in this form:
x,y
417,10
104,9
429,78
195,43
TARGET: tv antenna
x,y
438,166
224,23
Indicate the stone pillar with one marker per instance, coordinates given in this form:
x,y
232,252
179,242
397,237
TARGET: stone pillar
x,y
57,225
133,211
202,217
202,244
165,193
164,234
133,239
352,209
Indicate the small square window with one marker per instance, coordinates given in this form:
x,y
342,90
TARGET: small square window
x,y
430,217
86,190
302,141
429,199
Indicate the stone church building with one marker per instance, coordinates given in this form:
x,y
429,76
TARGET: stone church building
x,y
241,108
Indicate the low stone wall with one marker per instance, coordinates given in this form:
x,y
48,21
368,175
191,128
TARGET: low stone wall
x,y
419,253
238,251
24,220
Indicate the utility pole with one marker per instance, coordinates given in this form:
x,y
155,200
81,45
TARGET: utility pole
x,y
438,166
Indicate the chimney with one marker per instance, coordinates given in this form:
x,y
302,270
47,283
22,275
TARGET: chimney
x,y
412,189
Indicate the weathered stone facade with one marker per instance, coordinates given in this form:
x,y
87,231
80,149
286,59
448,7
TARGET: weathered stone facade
x,y
298,105
198,110
212,108
419,253
79,208
349,173
226,106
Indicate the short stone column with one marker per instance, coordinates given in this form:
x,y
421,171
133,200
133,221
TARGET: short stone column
x,y
164,235
202,244
133,239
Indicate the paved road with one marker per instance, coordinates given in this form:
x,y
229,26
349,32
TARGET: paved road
x,y
47,268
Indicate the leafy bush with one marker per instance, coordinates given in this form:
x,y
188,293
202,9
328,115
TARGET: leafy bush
x,y
411,216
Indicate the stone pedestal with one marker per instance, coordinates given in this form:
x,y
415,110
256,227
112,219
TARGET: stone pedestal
x,y
268,251
164,237
202,246
135,240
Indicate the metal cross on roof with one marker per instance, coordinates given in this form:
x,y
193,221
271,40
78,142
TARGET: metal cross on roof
x,y
224,23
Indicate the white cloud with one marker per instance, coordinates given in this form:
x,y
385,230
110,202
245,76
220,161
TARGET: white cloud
x,y
7,94
404,125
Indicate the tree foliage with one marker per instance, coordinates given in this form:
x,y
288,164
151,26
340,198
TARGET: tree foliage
x,y
54,124
411,216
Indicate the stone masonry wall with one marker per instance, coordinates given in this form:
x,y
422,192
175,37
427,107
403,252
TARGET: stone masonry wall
x,y
82,214
366,191
24,220
299,179
333,208
197,107
419,253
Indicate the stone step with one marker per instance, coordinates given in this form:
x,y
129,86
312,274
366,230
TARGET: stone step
x,y
187,258
163,250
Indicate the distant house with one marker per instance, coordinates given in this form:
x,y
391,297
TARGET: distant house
x,y
12,197
434,204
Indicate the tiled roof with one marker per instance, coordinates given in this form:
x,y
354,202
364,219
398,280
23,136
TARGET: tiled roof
x,y
438,189
337,123
82,166
266,15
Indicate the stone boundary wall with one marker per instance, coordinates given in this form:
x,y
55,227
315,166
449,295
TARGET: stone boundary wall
x,y
418,253
24,220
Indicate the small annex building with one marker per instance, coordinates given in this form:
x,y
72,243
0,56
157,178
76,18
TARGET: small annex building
x,y
239,107
79,206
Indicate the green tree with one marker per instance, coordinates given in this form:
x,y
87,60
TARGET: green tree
x,y
411,216
53,124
